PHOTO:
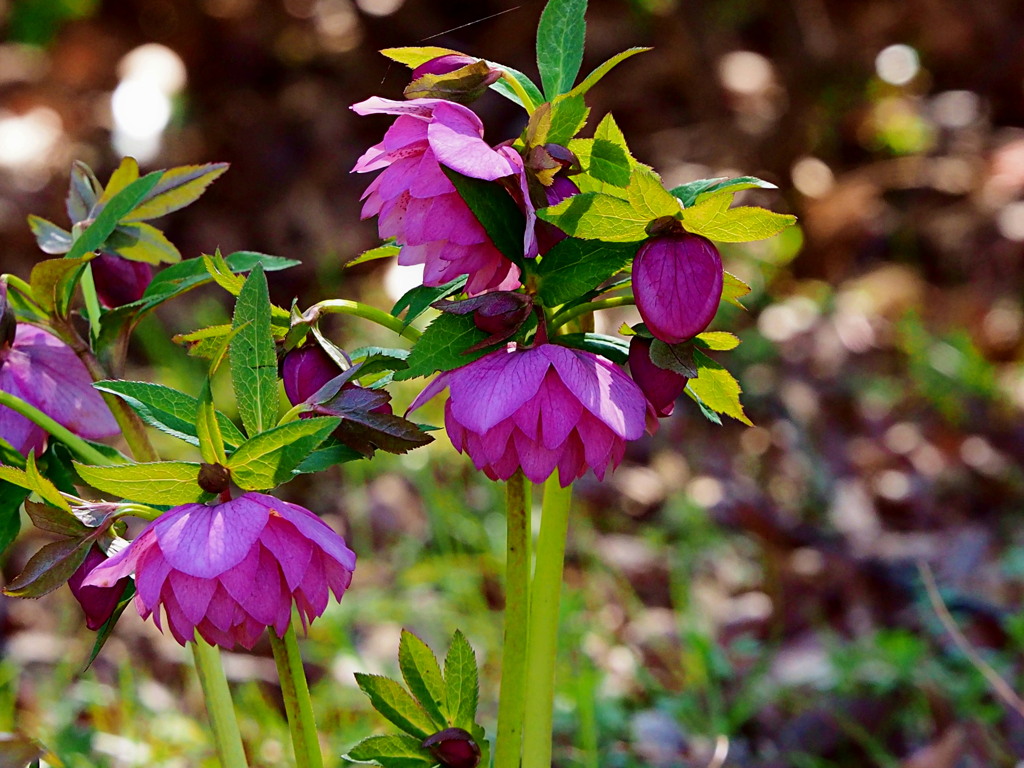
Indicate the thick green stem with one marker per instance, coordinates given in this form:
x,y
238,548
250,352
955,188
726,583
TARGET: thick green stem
x,y
517,613
571,314
517,87
82,449
297,703
218,704
365,311
545,595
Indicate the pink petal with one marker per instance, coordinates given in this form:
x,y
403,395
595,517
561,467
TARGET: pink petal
x,y
455,135
292,550
207,541
492,388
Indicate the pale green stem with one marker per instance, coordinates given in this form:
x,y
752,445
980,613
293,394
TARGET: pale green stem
x,y
297,704
517,613
517,87
24,289
571,314
81,448
293,414
365,311
218,704
542,648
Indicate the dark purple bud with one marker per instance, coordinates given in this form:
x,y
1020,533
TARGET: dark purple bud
x,y
499,313
677,284
661,387
8,323
453,748
563,156
305,370
97,602
120,281
454,77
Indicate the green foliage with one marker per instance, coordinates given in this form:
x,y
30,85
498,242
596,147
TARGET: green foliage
x,y
50,567
115,209
609,162
161,482
208,430
461,683
721,341
594,77
177,188
396,704
712,218
496,211
572,267
442,346
417,300
422,674
560,38
385,251
267,459
733,289
11,498
678,358
692,191
597,216
648,197
252,355
612,347
397,751
716,388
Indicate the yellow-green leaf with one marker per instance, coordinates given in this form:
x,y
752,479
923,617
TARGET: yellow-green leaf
x,y
733,289
143,242
178,187
413,56
717,388
596,216
160,482
648,197
125,174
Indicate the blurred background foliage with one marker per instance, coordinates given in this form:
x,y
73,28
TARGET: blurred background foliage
x,y
737,597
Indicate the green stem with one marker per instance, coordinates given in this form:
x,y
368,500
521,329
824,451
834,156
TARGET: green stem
x,y
82,449
293,414
542,648
517,612
297,704
218,704
25,290
516,86
581,309
365,311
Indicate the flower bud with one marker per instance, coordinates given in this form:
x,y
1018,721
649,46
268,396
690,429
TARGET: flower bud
x,y
120,281
97,602
305,370
453,748
661,387
454,77
677,284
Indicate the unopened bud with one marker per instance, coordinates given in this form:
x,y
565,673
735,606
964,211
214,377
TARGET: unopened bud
x,y
453,748
453,77
98,603
120,281
214,478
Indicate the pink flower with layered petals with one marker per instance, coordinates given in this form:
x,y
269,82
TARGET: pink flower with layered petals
x,y
42,370
232,570
416,204
540,409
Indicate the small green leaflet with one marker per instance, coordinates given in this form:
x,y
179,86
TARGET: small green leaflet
x,y
267,459
142,242
84,190
712,218
609,163
417,300
721,341
612,347
717,388
648,197
568,116
461,683
396,704
160,482
380,252
125,173
573,267
208,431
49,237
442,346
177,188
331,451
496,211
597,216
560,38
692,191
506,90
413,56
422,674
49,568
53,279
397,751
594,77
733,289
252,356
116,209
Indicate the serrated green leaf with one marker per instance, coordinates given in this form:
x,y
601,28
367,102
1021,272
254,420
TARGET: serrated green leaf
x,y
733,289
496,211
126,173
422,674
708,414
252,355
396,704
677,358
648,197
380,252
53,520
208,432
331,452
560,38
114,210
413,56
568,116
84,190
397,751
168,410
461,682
49,237
690,192
609,163
596,216
594,77
717,388
721,341
159,482
267,459
178,187
615,349
417,300
221,273
463,85
573,267
53,279
50,567
43,485
712,218
442,346
142,242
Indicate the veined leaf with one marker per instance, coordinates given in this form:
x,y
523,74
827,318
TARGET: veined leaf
x,y
208,431
648,197
44,486
690,192
416,300
596,216
142,242
113,211
594,77
612,347
84,190
711,217
443,346
721,341
422,674
717,388
49,237
397,751
178,187
267,459
50,567
413,56
252,355
506,90
461,682
125,173
396,704
221,273
609,163
159,482
733,289
560,38
385,251
573,267
52,279
568,116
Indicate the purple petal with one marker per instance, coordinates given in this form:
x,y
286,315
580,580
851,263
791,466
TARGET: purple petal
x,y
492,388
456,136
123,563
207,541
292,549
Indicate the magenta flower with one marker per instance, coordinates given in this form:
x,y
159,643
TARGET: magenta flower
x,y
98,603
416,204
540,409
42,370
232,570
677,284
660,387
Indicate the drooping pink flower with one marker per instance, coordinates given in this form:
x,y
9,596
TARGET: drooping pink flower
x,y
42,370
98,603
119,280
232,570
540,409
416,204
677,284
660,387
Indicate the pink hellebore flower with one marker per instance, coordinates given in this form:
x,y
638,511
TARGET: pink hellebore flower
x,y
230,571
539,409
677,284
98,603
416,204
42,370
